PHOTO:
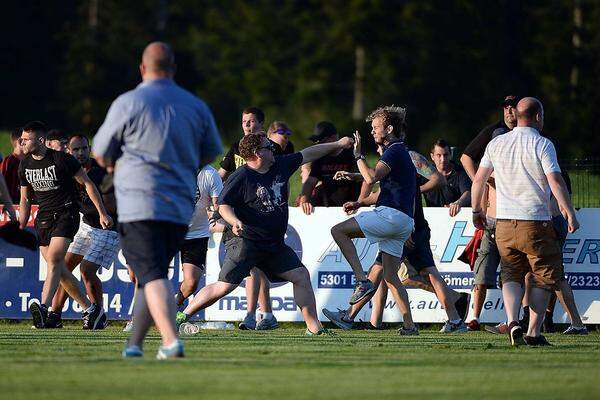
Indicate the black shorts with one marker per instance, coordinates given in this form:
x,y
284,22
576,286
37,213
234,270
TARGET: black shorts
x,y
193,251
149,247
420,256
64,223
242,255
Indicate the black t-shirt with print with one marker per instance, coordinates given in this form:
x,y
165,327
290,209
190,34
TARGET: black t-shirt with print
x,y
260,201
233,160
334,193
458,182
51,179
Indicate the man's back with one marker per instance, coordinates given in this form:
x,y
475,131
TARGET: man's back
x,y
521,159
163,132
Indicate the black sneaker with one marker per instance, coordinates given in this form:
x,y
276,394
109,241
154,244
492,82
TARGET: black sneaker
x,y
93,319
362,289
515,333
535,341
39,313
462,305
54,320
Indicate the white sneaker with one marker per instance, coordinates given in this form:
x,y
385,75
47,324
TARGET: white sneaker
x,y
128,326
451,327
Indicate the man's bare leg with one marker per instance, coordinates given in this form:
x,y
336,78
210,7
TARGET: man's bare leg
x,y
442,292
343,233
161,305
191,277
304,296
567,299
390,275
512,295
58,302
538,302
208,295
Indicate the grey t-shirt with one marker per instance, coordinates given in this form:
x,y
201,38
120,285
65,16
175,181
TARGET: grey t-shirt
x,y
158,133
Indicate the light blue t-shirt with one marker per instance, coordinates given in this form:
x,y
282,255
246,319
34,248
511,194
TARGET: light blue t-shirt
x,y
157,133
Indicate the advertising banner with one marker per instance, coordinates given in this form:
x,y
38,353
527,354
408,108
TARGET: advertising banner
x,y
22,272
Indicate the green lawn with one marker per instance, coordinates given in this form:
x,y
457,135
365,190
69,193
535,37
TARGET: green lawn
x,y
285,364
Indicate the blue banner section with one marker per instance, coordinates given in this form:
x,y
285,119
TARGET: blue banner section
x,y
21,280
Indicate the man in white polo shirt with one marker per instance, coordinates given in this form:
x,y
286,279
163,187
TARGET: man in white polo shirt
x,y
526,172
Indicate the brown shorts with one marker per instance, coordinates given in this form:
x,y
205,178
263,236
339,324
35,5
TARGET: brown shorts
x,y
529,246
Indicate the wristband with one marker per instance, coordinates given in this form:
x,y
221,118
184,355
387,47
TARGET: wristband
x,y
477,211
361,157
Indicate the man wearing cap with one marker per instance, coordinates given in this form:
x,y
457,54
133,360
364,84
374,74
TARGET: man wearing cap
x,y
57,140
527,173
488,257
332,192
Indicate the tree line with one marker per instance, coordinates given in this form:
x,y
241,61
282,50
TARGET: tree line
x,y
303,61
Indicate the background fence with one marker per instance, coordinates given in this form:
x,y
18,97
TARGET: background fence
x,y
585,181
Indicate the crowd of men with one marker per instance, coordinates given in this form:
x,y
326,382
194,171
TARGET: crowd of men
x,y
151,191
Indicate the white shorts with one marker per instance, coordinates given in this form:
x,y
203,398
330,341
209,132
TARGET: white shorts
x,y
387,227
98,246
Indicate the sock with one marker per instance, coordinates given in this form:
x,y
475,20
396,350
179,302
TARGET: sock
x,y
267,315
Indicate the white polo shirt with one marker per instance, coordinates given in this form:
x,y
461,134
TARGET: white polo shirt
x,y
521,159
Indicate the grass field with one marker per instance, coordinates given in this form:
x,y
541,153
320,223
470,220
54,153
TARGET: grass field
x,y
285,364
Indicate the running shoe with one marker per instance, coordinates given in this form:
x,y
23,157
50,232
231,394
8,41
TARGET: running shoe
x,y
39,313
462,305
414,331
535,341
267,324
474,325
576,330
249,323
54,320
337,317
515,334
93,318
128,326
132,352
362,289
169,352
320,332
500,329
454,327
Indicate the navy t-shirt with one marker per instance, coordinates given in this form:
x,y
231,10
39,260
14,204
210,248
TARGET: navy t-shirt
x,y
260,201
397,189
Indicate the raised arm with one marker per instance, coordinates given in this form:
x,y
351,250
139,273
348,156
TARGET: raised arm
x,y
427,171
317,151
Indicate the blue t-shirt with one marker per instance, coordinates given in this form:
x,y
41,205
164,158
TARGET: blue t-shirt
x,y
260,201
397,189
158,133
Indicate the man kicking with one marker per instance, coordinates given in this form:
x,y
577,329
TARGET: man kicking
x,y
52,175
417,259
391,223
255,203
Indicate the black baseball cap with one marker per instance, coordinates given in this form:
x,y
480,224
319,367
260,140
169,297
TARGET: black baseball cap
x,y
56,134
322,130
511,100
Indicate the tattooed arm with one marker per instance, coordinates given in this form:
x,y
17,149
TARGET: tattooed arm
x,y
427,171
